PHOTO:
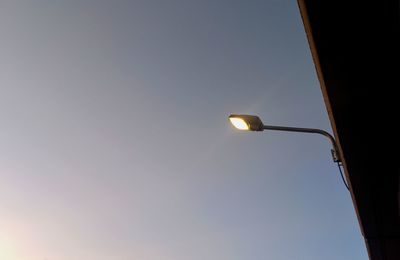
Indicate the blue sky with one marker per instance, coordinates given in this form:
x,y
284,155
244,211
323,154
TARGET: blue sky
x,y
115,142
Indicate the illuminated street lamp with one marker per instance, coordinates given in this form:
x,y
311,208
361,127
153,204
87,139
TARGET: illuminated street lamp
x,y
254,123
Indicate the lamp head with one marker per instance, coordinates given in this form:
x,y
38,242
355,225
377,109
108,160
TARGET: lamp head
x,y
246,122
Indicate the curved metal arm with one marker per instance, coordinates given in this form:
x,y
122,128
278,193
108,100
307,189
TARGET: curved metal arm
x,y
335,152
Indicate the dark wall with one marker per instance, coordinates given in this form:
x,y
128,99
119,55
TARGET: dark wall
x,y
357,47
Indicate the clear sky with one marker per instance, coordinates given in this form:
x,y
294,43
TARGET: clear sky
x,y
115,142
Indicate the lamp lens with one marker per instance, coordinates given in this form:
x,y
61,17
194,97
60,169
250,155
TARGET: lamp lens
x,y
239,123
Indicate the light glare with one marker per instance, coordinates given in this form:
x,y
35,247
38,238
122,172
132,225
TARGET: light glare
x,y
239,123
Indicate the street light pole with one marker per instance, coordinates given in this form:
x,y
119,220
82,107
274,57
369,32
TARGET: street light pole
x,y
254,123
335,154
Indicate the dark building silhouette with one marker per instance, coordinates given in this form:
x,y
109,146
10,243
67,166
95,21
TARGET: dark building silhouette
x,y
355,46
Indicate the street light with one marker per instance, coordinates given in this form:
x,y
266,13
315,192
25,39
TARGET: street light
x,y
254,123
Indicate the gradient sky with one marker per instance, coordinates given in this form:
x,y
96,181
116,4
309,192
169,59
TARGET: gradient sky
x,y
115,142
